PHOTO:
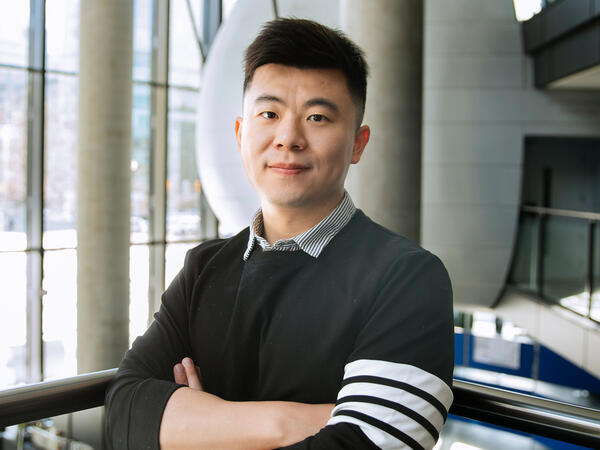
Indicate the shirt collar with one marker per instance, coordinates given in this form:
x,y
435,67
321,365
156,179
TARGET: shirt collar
x,y
313,240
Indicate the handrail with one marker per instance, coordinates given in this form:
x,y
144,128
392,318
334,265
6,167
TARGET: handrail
x,y
549,418
535,415
53,398
540,210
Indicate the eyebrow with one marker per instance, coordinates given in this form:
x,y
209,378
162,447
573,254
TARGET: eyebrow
x,y
268,98
320,101
317,101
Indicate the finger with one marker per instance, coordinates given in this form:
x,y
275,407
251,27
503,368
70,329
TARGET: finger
x,y
192,375
179,374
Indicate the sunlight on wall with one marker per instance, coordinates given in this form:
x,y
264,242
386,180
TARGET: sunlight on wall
x,y
526,9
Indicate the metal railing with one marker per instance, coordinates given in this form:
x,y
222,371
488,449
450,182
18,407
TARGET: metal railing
x,y
543,417
554,243
53,398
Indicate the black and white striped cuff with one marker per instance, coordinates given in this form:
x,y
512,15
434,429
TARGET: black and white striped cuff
x,y
395,405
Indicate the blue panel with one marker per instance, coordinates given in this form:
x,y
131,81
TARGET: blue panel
x,y
552,367
556,369
556,445
524,369
458,349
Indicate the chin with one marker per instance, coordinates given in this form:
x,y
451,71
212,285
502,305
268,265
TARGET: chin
x,y
288,199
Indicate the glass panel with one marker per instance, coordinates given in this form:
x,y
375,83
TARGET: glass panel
x,y
139,269
596,297
565,262
60,169
184,53
562,172
59,313
174,258
13,158
183,184
62,35
13,319
142,39
14,32
140,165
524,268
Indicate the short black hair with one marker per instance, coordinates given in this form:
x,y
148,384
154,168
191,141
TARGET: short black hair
x,y
306,44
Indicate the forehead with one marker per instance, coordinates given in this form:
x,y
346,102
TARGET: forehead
x,y
281,80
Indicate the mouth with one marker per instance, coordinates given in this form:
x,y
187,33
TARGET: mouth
x,y
287,169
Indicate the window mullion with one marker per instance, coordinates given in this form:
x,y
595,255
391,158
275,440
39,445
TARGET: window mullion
x,y
158,160
211,20
35,190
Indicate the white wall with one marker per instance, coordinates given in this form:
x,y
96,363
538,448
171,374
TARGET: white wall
x,y
478,105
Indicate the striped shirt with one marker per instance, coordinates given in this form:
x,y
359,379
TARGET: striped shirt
x,y
313,240
396,405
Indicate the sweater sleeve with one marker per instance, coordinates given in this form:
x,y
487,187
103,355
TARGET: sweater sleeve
x,y
138,394
396,392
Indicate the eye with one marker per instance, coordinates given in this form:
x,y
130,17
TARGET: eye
x,y
268,115
317,118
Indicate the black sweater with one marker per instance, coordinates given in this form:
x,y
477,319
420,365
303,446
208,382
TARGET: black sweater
x,y
368,323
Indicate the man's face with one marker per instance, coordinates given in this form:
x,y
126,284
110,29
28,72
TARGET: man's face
x,y
298,136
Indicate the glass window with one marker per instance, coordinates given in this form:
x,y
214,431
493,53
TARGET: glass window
x,y
14,33
184,53
139,268
13,319
60,169
140,165
13,158
525,265
183,184
174,259
565,263
62,35
59,314
142,39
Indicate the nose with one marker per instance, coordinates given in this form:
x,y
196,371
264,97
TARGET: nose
x,y
290,134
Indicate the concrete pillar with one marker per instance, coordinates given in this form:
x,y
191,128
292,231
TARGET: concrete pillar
x,y
104,174
386,183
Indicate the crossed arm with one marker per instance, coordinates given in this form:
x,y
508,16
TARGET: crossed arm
x,y
196,419
395,389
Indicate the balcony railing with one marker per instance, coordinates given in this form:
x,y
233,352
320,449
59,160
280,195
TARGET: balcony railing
x,y
557,258
543,417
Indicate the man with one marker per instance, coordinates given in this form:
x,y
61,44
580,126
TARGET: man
x,y
314,304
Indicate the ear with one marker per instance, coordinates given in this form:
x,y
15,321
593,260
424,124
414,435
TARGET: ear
x,y
360,142
238,132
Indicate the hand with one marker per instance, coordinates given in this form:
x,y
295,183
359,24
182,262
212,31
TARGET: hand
x,y
187,373
197,419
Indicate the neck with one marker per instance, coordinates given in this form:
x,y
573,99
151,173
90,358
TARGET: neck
x,y
287,222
